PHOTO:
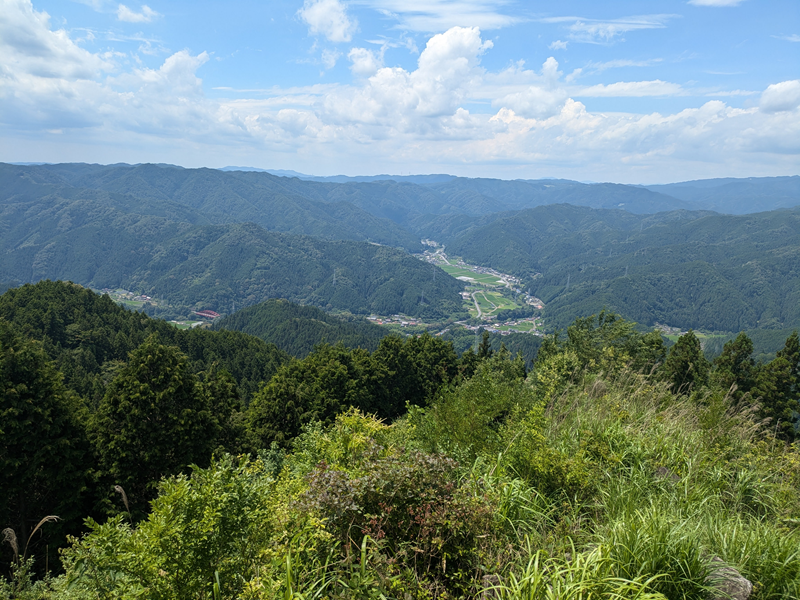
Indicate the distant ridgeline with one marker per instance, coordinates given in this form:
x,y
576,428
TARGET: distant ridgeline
x,y
211,239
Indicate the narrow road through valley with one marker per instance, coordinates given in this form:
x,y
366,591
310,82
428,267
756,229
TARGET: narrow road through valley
x,y
477,306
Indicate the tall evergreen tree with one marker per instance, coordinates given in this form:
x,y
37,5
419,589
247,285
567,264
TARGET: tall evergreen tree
x,y
45,457
777,389
153,421
686,367
735,365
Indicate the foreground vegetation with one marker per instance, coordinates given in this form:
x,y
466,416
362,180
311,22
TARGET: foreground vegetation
x,y
612,470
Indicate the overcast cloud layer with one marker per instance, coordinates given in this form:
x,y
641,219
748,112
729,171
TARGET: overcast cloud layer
x,y
397,87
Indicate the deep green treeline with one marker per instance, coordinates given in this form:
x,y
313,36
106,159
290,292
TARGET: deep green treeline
x,y
87,334
296,329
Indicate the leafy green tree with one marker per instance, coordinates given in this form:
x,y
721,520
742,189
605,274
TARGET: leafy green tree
x,y
735,365
45,457
316,388
153,421
686,368
606,342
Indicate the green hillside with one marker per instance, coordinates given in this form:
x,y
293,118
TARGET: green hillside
x,y
106,241
717,272
297,329
216,196
87,336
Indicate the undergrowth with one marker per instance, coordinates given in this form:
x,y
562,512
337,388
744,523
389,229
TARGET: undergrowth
x,y
572,488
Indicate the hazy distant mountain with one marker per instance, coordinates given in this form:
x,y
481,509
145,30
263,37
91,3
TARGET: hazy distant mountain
x,y
209,237
737,196
223,197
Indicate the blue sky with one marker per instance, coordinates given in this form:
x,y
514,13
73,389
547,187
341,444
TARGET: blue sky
x,y
641,92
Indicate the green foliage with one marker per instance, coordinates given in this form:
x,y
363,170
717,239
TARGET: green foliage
x,y
590,477
735,365
317,388
297,329
334,378
467,421
88,336
686,367
153,421
45,458
211,527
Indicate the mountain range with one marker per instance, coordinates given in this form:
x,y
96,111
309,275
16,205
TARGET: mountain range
x,y
219,239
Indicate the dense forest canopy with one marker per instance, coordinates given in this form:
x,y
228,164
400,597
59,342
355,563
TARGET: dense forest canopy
x,y
297,329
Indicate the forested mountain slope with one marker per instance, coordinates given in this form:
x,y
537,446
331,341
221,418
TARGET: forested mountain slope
x,y
99,239
297,329
88,335
212,195
718,272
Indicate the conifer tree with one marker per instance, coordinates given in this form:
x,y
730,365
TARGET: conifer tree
x,y
686,367
777,389
153,421
45,457
736,365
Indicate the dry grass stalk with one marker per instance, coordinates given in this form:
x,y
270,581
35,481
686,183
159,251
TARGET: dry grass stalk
x,y
11,537
47,519
121,491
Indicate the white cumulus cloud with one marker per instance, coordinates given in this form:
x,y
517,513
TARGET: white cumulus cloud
x,y
543,99
146,14
780,97
328,18
365,63
28,46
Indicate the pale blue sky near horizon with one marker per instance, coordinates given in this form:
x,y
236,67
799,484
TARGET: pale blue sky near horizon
x,y
635,92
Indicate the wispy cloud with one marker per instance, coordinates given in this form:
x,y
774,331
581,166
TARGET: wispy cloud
x,y
146,15
606,31
558,45
599,67
716,3
731,93
635,89
789,38
439,15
